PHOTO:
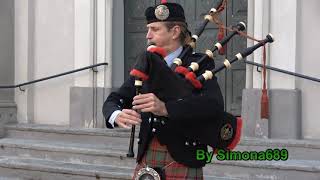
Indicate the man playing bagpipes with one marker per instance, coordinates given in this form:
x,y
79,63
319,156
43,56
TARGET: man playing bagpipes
x,y
172,128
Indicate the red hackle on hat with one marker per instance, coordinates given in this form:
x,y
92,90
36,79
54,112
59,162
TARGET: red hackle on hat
x,y
163,1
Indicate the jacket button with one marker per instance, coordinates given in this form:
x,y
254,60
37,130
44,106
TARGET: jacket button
x,y
149,119
162,122
187,143
155,119
153,130
194,143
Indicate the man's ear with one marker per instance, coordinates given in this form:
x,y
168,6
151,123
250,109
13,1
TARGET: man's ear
x,y
176,32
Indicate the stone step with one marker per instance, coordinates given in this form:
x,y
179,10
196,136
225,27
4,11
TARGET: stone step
x,y
13,168
29,168
266,170
297,149
104,154
38,169
65,134
9,178
115,156
105,146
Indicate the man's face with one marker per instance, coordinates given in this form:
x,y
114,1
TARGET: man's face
x,y
159,35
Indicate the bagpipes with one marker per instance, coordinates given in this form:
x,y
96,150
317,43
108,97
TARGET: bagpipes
x,y
151,70
189,72
142,64
180,82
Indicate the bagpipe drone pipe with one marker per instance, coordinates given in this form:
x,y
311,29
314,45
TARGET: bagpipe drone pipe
x,y
219,7
194,66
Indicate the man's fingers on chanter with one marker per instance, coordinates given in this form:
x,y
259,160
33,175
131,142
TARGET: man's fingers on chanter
x,y
133,116
124,117
149,109
133,122
131,119
125,122
142,101
150,104
143,96
131,112
142,106
127,111
128,121
123,125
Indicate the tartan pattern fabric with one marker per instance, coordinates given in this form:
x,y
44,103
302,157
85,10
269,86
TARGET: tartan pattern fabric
x,y
157,155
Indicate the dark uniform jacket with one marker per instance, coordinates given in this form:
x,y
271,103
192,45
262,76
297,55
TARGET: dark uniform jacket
x,y
187,117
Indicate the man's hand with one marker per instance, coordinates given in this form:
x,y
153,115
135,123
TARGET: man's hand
x,y
149,103
127,118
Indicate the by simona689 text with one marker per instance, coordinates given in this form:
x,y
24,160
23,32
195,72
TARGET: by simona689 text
x,y
267,155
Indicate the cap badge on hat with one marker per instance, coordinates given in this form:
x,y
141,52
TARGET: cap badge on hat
x,y
162,12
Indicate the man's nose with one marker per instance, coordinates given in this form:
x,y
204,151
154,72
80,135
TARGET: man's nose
x,y
149,34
